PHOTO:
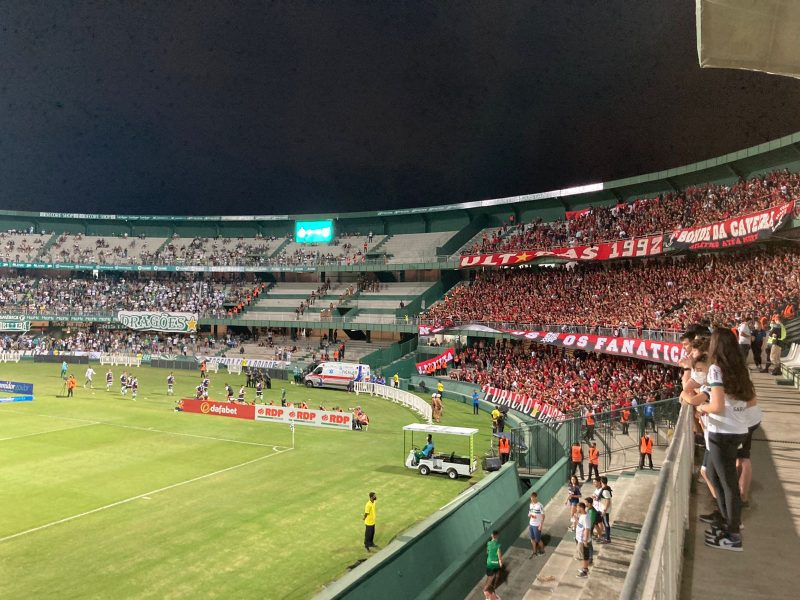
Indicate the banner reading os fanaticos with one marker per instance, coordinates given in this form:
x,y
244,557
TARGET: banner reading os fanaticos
x,y
180,322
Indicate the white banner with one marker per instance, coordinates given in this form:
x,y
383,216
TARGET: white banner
x,y
304,416
181,322
258,363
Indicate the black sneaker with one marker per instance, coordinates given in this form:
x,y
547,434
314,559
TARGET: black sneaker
x,y
730,541
714,531
582,573
712,517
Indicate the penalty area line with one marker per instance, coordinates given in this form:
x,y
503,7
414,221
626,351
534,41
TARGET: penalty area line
x,y
146,429
17,437
139,496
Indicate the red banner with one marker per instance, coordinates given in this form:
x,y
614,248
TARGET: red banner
x,y
577,214
668,353
635,248
446,356
219,409
541,411
747,229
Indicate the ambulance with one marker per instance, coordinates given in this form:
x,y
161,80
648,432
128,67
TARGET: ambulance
x,y
336,374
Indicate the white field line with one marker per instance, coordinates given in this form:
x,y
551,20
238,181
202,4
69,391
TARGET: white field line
x,y
17,437
149,429
137,497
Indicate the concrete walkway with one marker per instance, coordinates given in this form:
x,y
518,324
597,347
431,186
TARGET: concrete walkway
x,y
767,567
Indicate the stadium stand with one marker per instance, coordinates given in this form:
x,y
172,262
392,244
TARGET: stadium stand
x,y
414,247
21,246
666,294
700,205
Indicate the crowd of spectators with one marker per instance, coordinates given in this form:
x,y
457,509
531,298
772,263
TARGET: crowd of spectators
x,y
571,381
173,293
662,294
692,207
116,341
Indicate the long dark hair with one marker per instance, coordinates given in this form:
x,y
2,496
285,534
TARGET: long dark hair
x,y
723,351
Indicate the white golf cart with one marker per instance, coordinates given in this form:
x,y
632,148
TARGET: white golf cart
x,y
454,465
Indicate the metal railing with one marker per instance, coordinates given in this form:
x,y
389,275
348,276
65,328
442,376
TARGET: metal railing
x,y
655,570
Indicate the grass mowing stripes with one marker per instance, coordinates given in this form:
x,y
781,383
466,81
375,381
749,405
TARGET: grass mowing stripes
x,y
280,527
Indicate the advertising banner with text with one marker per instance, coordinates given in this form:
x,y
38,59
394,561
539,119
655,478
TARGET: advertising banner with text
x,y
304,416
446,356
747,229
541,411
219,409
636,248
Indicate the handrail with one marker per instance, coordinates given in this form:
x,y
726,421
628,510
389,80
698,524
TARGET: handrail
x,y
654,570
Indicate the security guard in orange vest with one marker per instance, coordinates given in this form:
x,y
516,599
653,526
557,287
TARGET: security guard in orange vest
x,y
505,449
589,435
626,420
576,454
594,461
645,449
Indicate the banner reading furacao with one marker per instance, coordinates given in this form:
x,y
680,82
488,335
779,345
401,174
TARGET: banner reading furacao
x,y
180,322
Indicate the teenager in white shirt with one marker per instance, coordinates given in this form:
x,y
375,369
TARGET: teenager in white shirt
x,y
729,392
536,516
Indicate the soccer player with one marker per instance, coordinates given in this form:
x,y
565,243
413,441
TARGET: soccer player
x,y
229,393
134,384
241,395
123,383
259,391
206,385
170,384
198,392
109,380
89,376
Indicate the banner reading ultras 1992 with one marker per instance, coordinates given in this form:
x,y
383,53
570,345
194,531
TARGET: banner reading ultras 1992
x,y
745,229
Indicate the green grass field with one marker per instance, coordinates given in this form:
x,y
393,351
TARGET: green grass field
x,y
104,497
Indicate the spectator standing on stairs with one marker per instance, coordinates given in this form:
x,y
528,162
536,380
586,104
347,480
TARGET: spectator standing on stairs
x,y
573,497
536,523
494,562
605,510
775,341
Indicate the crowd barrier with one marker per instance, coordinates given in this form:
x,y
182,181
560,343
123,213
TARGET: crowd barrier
x,y
10,356
657,564
126,360
396,395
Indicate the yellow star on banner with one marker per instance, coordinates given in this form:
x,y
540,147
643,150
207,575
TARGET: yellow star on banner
x,y
192,324
523,257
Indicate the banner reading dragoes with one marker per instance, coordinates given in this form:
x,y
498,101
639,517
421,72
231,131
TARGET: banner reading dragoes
x,y
181,322
304,416
446,356
747,229
636,248
541,411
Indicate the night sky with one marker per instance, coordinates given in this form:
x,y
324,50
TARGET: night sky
x,y
262,108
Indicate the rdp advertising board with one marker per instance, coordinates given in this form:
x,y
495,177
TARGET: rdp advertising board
x,y
270,414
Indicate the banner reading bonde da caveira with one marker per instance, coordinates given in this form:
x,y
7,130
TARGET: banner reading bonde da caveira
x,y
446,356
181,322
747,229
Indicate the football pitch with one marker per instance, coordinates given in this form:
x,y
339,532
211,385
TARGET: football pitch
x,y
104,497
